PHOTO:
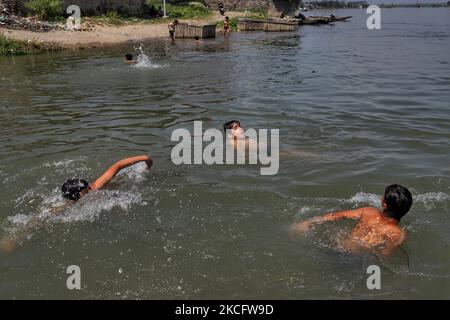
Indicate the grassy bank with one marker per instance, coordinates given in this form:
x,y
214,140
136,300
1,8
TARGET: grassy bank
x,y
11,47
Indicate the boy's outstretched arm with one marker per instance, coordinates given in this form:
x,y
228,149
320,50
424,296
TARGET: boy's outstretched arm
x,y
333,216
116,167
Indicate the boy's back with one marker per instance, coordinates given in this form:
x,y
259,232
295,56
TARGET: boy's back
x,y
376,229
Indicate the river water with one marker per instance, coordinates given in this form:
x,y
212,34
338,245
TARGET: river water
x,y
357,110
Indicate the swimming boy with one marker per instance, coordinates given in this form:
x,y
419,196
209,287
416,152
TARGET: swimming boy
x,y
236,136
129,58
172,27
74,189
234,129
376,229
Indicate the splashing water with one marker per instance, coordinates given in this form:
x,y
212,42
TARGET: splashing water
x,y
143,60
38,205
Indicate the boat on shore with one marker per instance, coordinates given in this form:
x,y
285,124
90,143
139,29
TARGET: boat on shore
x,y
272,24
331,18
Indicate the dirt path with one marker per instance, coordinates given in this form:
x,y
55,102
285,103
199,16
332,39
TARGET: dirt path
x,y
105,35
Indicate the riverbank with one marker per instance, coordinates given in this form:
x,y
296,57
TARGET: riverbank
x,y
101,35
10,47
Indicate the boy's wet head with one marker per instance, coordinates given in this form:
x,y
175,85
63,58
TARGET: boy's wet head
x,y
72,188
397,201
129,57
234,127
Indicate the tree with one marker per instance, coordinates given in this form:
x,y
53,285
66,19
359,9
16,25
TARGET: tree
x,y
282,8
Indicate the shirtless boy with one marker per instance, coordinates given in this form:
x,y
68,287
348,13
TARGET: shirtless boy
x,y
376,229
172,27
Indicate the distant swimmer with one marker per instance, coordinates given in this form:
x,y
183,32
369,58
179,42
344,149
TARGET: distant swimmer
x,y
74,189
376,230
129,58
172,27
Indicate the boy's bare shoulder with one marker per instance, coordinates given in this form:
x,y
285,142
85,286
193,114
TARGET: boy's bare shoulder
x,y
394,234
370,211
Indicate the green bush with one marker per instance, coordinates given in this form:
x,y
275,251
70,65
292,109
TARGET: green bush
x,y
155,3
187,12
9,47
45,9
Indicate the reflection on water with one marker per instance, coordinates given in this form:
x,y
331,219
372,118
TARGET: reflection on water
x,y
371,107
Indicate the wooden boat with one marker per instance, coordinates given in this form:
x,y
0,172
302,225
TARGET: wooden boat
x,y
321,20
330,19
342,18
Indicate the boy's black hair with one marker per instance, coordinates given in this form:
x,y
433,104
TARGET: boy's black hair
x,y
175,21
197,38
398,201
129,56
71,188
229,125
227,18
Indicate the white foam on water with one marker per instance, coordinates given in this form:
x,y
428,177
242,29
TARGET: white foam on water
x,y
38,205
426,199
19,219
60,163
431,196
28,196
143,60
93,204
135,173
365,198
